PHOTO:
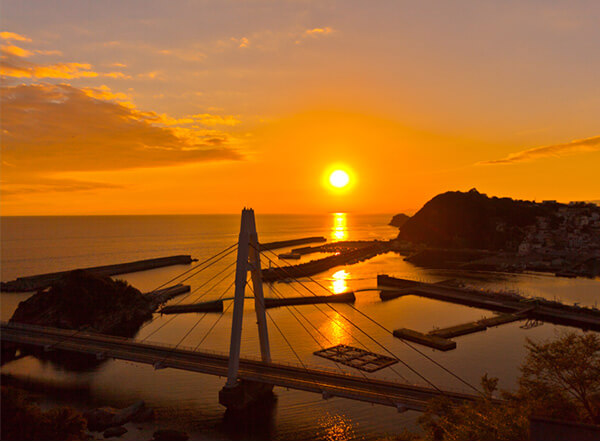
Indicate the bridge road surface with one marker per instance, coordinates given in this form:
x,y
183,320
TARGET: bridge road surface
x,y
327,383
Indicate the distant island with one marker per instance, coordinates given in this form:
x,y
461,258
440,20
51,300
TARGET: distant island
x,y
470,230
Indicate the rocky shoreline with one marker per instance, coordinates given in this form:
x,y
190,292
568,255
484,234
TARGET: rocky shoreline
x,y
81,300
492,261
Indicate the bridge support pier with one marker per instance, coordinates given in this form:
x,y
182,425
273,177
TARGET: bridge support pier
x,y
245,393
238,394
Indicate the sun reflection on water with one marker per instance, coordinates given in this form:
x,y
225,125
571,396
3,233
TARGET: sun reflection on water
x,y
339,229
335,329
339,281
336,427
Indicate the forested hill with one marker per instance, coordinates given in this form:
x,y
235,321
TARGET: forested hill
x,y
474,220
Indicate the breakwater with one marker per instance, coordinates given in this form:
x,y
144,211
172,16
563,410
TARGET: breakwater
x,y
291,242
334,247
163,295
36,282
303,300
217,306
320,265
440,338
533,308
200,307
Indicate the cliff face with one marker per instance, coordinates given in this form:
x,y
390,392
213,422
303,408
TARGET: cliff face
x,y
81,299
472,220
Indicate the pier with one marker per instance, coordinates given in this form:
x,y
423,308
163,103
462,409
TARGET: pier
x,y
170,292
320,265
531,308
334,247
217,306
304,300
200,307
440,338
37,282
291,242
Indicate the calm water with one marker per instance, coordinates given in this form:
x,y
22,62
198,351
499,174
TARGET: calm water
x,y
188,401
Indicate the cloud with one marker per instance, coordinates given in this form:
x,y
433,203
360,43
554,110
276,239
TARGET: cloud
x,y
53,185
555,150
8,50
59,128
316,32
65,71
241,42
216,120
185,54
152,75
13,65
13,36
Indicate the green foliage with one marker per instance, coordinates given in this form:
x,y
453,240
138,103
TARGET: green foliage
x,y
484,419
22,420
559,379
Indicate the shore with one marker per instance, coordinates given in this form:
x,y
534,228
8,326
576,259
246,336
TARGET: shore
x,y
565,265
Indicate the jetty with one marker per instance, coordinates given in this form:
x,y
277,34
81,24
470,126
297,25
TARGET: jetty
x,y
217,306
320,265
440,338
334,247
291,242
520,306
37,282
424,339
304,300
200,307
163,295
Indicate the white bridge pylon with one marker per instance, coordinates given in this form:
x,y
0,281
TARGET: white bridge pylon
x,y
248,259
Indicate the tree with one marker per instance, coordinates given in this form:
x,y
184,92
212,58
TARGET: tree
x,y
483,419
559,379
562,378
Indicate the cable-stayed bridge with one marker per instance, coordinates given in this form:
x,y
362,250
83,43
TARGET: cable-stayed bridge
x,y
327,383
248,379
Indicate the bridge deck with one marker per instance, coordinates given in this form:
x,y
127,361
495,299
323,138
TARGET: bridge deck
x,y
328,383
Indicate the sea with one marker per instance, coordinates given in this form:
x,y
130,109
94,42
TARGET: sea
x,y
189,401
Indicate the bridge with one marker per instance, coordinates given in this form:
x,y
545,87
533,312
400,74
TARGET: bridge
x,y
248,379
322,381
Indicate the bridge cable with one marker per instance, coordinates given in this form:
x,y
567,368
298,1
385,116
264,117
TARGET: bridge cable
x,y
218,319
339,323
181,299
298,357
304,327
344,328
389,331
325,337
196,299
193,327
193,268
58,342
406,343
355,325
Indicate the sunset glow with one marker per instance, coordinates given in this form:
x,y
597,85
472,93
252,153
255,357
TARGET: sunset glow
x,y
107,114
339,178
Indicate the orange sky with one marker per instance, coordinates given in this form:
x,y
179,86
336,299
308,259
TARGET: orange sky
x,y
206,107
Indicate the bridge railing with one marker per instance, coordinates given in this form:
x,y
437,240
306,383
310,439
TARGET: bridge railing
x,y
256,358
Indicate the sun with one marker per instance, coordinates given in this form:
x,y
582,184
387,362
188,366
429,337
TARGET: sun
x,y
339,178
